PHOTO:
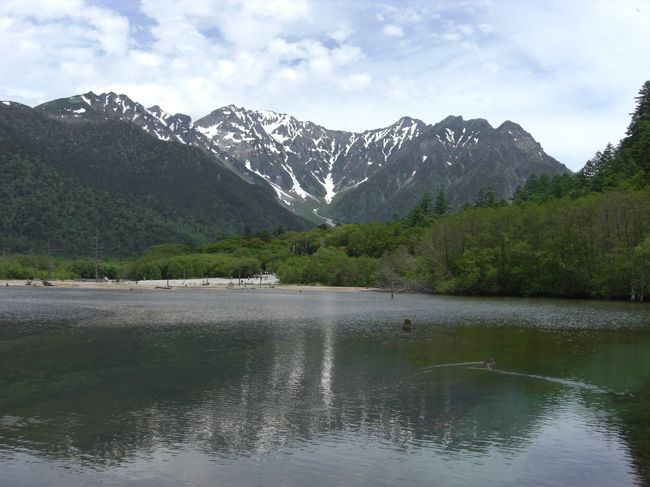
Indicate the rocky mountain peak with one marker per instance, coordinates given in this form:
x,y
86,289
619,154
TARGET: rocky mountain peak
x,y
512,128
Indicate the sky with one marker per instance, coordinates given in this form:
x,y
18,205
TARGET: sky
x,y
566,71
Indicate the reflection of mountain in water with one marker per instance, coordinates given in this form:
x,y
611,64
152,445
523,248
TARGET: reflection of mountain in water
x,y
116,394
306,385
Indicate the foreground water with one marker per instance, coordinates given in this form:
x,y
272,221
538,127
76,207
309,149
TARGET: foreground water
x,y
257,387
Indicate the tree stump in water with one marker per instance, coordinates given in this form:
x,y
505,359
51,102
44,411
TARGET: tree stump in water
x,y
407,326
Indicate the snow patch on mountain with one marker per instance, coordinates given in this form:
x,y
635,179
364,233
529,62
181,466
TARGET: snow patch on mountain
x,y
328,184
285,197
358,183
210,132
296,188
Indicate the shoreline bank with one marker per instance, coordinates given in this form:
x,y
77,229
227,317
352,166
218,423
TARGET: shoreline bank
x,y
176,285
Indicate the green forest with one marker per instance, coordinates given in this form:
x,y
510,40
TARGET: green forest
x,y
575,235
63,182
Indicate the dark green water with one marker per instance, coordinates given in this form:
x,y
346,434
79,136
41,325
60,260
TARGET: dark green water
x,y
159,388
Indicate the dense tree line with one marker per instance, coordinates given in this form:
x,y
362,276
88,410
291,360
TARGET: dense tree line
x,y
626,165
28,267
586,234
594,246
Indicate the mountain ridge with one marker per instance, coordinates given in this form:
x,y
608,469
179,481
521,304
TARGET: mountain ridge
x,y
311,168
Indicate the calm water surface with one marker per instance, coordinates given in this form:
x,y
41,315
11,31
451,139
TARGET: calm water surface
x,y
155,388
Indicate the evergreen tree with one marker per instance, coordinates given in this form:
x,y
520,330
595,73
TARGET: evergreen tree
x,y
635,148
486,199
602,170
628,164
641,114
425,203
416,217
440,206
599,163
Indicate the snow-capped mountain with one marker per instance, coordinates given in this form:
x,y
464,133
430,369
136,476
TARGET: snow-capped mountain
x,y
153,120
339,173
345,175
110,105
302,160
459,157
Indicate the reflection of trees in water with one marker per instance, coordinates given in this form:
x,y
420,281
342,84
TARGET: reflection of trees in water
x,y
635,425
255,390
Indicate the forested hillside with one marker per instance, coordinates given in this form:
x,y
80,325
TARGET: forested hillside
x,y
62,183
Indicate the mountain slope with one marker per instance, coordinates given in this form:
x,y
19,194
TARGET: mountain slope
x,y
377,173
456,156
153,120
67,176
302,160
320,173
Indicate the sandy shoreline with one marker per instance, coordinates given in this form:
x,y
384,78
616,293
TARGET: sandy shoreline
x,y
187,285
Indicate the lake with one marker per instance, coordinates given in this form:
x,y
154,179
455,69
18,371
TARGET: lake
x,y
279,387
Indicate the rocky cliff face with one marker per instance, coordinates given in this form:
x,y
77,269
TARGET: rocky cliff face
x,y
459,157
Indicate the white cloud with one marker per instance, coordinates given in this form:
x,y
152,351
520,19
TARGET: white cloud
x,y
247,24
357,81
399,13
342,33
393,30
486,28
553,68
451,36
466,30
401,89
80,22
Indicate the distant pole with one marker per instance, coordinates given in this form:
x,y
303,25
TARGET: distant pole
x,y
49,260
97,251
49,249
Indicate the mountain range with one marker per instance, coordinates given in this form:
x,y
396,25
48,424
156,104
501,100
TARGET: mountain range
x,y
332,175
145,176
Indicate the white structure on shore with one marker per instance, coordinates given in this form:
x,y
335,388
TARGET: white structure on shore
x,y
264,280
